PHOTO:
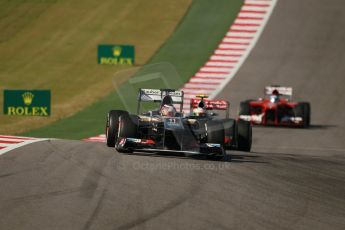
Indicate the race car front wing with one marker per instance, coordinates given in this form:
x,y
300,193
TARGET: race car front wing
x,y
147,145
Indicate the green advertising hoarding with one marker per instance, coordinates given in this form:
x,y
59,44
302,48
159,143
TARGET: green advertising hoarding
x,y
116,54
27,102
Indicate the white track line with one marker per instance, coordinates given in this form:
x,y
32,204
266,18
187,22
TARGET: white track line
x,y
8,143
99,138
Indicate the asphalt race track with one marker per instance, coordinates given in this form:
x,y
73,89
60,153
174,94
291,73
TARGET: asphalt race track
x,y
293,179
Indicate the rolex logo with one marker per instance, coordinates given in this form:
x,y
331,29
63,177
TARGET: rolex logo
x,y
117,51
28,97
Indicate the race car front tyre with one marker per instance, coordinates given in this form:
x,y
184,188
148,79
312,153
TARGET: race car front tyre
x,y
128,128
302,109
112,126
244,135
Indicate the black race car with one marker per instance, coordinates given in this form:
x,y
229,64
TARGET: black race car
x,y
152,132
237,133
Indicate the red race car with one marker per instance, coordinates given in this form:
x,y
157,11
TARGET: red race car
x,y
276,109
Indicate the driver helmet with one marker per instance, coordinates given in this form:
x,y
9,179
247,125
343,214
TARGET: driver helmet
x,y
200,112
275,96
168,111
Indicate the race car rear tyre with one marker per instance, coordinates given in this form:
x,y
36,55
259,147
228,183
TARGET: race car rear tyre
x,y
215,135
128,128
112,126
229,132
244,135
245,108
302,109
215,132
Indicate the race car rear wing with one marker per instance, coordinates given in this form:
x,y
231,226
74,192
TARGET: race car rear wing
x,y
284,91
158,95
211,104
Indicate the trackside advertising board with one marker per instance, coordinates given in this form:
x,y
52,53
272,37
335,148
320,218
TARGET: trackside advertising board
x,y
116,54
27,102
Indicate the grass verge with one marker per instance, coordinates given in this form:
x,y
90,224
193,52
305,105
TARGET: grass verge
x,y
186,50
52,44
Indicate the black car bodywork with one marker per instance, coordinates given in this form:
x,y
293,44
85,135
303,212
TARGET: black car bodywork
x,y
151,132
237,133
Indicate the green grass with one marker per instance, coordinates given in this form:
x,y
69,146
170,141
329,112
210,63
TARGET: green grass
x,y
177,60
52,44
